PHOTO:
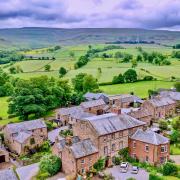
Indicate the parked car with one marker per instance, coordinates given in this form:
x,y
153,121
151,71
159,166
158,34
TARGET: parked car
x,y
135,170
124,167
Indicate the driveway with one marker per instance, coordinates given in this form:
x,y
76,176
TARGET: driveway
x,y
27,172
175,158
115,170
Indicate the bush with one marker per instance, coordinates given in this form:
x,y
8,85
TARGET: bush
x,y
148,78
131,178
154,177
45,147
50,164
163,125
99,165
170,169
116,160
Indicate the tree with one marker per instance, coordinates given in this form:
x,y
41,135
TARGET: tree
x,y
78,82
89,84
163,125
130,75
175,136
134,63
62,71
72,54
139,58
12,70
99,165
47,67
176,123
170,169
51,164
177,86
118,79
36,96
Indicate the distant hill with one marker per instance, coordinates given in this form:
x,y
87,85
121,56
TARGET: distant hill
x,y
43,37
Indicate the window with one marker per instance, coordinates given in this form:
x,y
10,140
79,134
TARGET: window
x,y
121,145
82,171
121,134
147,158
147,148
134,156
105,139
163,149
105,150
89,109
112,136
82,161
113,147
134,144
32,141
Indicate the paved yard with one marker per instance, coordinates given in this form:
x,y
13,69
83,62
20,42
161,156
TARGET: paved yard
x,y
27,172
142,174
175,158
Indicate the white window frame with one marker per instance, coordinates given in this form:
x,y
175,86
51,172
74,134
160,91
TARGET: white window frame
x,y
146,149
165,149
134,144
82,161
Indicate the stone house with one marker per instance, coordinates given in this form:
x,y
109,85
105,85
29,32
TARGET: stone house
x,y
68,116
25,136
96,96
96,107
124,100
148,146
77,156
142,114
109,132
160,107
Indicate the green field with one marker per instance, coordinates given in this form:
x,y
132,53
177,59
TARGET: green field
x,y
4,112
139,88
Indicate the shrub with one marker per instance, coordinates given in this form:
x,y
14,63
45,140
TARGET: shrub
x,y
50,164
116,160
45,147
62,71
154,177
148,78
124,153
131,178
163,125
99,165
170,169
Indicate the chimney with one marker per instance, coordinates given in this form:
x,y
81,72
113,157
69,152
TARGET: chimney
x,y
68,140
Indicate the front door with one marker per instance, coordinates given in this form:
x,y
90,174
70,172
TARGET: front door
x,y
2,158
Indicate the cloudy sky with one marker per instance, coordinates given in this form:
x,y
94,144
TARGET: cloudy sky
x,y
151,14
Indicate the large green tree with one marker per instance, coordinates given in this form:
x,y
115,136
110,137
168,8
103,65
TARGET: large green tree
x,y
38,95
130,75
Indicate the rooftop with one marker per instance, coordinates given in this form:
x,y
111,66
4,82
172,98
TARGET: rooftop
x,y
22,136
150,137
94,96
161,101
173,95
70,110
93,103
140,113
83,148
8,174
26,126
109,123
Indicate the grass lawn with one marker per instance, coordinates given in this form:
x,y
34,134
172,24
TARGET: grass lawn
x,y
174,150
139,88
170,178
3,112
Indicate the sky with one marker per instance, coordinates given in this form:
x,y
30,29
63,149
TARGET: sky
x,y
148,14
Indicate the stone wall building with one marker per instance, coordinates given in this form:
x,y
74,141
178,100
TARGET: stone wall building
x,y
150,147
4,155
124,100
142,114
109,132
160,107
78,156
25,136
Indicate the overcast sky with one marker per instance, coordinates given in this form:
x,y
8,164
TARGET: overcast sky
x,y
151,14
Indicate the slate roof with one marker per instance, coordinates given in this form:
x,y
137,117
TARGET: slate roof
x,y
94,96
126,98
26,126
70,110
83,148
8,174
109,123
61,144
81,115
173,95
140,113
93,103
161,101
150,137
22,136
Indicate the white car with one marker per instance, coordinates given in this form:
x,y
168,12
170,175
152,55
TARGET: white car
x,y
135,170
124,167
